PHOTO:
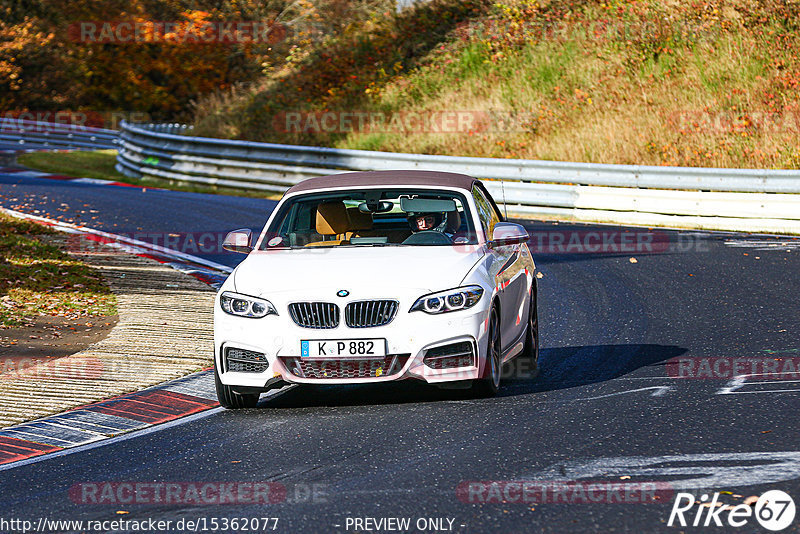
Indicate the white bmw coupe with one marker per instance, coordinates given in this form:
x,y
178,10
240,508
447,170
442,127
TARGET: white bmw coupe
x,y
373,277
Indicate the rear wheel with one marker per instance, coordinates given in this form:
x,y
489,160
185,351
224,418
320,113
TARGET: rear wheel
x,y
489,383
229,398
532,334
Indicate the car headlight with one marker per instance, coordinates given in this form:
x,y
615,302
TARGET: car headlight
x,y
447,301
245,306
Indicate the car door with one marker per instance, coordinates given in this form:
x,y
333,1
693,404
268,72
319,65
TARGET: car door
x,y
507,269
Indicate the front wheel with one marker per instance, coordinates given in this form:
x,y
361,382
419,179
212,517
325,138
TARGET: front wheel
x,y
489,383
229,398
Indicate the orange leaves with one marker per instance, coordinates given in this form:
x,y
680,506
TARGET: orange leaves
x,y
131,56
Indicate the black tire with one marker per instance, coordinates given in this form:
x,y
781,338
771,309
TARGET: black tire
x,y
489,383
532,335
230,399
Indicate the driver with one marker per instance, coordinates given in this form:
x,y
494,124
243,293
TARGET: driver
x,y
421,222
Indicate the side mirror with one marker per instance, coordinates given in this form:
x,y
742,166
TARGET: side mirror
x,y
506,233
238,241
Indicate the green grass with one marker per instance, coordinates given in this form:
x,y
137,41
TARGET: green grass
x,y
100,164
602,82
38,279
370,142
82,164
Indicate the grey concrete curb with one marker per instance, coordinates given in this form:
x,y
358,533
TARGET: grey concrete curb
x,y
164,332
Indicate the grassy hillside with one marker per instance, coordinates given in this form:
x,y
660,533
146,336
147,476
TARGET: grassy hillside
x,y
647,82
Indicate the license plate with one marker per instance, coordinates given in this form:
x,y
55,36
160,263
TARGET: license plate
x,y
337,348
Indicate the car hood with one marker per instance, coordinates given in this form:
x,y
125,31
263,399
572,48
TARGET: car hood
x,y
354,269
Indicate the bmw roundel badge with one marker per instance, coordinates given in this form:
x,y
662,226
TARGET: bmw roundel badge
x,y
342,293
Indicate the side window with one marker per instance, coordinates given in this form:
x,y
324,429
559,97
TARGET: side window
x,y
486,212
492,203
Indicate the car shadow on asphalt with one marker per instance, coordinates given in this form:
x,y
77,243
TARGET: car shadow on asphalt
x,y
566,367
559,368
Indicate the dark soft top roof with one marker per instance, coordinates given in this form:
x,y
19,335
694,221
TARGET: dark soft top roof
x,y
387,178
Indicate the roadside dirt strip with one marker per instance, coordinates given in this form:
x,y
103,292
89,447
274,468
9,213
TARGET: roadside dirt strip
x,y
164,332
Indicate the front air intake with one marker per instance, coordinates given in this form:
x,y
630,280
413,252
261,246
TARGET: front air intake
x,y
245,361
450,356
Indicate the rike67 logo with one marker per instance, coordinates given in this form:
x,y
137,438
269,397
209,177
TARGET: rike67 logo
x,y
774,510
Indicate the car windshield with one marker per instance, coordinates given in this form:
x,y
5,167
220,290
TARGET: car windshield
x,y
372,217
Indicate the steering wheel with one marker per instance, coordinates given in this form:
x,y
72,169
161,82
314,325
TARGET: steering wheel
x,y
427,237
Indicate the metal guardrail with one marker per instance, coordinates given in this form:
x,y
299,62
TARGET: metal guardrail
x,y
730,199
26,134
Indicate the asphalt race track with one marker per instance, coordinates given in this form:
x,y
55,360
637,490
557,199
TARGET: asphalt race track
x,y
643,335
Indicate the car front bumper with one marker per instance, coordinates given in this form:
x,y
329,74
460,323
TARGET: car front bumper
x,y
409,338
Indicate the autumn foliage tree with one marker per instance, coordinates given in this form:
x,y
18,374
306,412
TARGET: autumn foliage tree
x,y
68,56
